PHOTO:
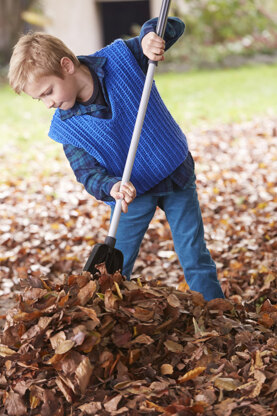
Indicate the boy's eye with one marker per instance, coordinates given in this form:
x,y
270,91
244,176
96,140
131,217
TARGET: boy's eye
x,y
48,92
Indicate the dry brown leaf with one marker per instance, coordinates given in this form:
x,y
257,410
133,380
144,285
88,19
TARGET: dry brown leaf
x,y
91,408
173,301
91,313
191,374
134,355
142,314
44,321
173,346
57,339
6,351
111,301
225,383
226,407
260,378
64,389
151,405
166,369
52,405
86,293
266,320
143,339
64,346
183,287
25,317
83,373
15,405
220,305
112,404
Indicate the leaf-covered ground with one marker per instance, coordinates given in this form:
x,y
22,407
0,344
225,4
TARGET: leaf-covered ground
x,y
74,346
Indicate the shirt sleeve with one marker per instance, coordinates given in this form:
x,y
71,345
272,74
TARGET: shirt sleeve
x,y
174,30
90,173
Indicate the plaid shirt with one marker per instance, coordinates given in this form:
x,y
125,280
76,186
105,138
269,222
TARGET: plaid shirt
x,y
87,170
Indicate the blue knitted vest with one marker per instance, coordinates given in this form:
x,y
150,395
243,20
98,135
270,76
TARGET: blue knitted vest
x,y
162,146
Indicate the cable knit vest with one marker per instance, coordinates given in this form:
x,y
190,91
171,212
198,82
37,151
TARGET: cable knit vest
x,y
162,146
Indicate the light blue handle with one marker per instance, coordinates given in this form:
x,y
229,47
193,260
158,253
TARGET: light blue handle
x,y
161,25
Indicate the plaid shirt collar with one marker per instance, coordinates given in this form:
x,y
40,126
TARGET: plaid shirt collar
x,y
96,64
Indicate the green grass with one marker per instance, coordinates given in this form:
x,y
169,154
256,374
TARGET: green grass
x,y
210,97
24,125
220,96
23,121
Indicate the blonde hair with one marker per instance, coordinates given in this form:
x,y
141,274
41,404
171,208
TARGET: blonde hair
x,y
37,54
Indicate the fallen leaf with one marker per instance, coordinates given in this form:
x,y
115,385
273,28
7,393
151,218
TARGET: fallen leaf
x,y
86,293
91,313
191,374
6,351
143,339
64,346
166,369
226,383
15,405
83,373
112,404
173,346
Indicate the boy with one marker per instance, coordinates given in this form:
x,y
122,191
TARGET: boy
x,y
97,99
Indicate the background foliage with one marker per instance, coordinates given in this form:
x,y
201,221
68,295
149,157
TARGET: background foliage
x,y
220,31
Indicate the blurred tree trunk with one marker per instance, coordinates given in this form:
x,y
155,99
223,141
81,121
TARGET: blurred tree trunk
x,y
11,26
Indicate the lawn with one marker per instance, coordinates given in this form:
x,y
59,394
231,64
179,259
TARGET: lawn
x,y
23,121
194,98
220,96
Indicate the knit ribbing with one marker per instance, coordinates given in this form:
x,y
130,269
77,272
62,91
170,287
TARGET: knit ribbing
x,y
162,146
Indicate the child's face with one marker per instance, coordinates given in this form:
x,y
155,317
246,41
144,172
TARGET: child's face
x,y
53,91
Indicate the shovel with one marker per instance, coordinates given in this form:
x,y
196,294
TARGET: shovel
x,y
107,253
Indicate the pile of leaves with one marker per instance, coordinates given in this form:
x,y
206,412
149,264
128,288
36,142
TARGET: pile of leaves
x,y
77,345
104,345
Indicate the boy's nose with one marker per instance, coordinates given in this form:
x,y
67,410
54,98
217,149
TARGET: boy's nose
x,y
49,103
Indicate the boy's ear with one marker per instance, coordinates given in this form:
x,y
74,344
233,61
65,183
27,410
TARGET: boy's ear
x,y
67,65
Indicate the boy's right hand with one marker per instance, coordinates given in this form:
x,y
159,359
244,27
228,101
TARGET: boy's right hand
x,y
127,194
153,46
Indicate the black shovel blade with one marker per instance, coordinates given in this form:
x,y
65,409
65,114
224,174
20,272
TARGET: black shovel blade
x,y
103,253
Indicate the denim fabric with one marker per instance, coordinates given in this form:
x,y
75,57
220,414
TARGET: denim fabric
x,y
183,213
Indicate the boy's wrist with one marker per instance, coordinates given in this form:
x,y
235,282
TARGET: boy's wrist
x,y
149,26
109,184
174,29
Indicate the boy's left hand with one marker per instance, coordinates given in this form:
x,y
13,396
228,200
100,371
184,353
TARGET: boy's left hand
x,y
153,46
127,194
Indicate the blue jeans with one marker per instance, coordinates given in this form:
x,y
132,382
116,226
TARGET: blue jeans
x,y
183,214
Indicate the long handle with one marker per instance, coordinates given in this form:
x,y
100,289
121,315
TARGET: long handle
x,y
160,29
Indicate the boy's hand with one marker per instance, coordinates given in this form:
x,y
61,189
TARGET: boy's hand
x,y
127,194
153,46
